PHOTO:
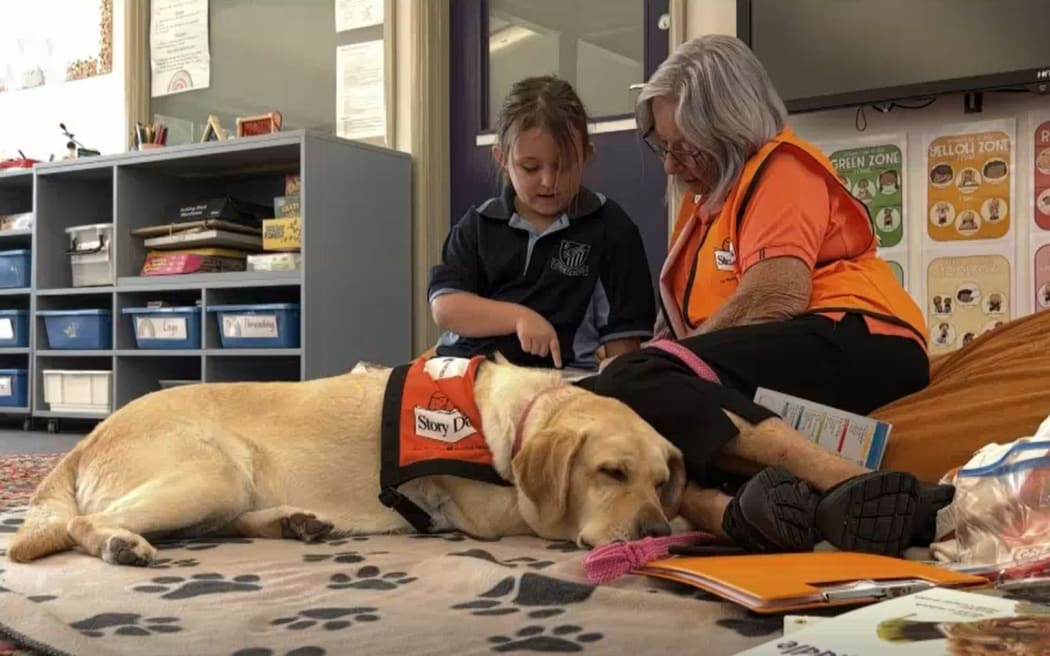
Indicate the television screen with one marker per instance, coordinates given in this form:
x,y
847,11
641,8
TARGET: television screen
x,y
834,53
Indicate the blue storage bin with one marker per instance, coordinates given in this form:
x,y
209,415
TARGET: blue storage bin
x,y
78,329
14,269
14,328
14,392
166,327
273,325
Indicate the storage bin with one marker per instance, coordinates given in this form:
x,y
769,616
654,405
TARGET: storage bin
x,y
14,392
170,383
91,254
78,391
273,325
14,269
78,329
14,328
166,327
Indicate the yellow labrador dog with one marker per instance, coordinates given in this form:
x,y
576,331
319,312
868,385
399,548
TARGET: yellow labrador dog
x,y
301,460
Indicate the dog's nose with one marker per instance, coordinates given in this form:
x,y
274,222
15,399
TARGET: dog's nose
x,y
654,529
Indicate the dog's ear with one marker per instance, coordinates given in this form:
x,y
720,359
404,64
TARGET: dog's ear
x,y
499,358
674,488
543,469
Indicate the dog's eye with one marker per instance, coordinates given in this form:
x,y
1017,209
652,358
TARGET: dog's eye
x,y
615,473
660,487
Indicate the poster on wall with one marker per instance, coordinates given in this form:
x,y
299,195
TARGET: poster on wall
x,y
1041,172
966,296
1041,277
180,59
355,14
969,182
54,41
898,263
873,171
360,94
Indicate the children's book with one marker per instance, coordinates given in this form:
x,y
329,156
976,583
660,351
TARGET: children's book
x,y
927,623
854,437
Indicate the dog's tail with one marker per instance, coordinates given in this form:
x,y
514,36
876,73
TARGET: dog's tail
x,y
53,504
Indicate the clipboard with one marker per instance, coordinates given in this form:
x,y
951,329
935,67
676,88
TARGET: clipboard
x,y
777,583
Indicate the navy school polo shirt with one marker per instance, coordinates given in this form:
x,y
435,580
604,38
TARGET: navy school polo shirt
x,y
587,274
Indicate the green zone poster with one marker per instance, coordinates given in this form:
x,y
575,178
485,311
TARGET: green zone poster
x,y
875,175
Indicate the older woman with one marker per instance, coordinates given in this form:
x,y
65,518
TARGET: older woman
x,y
772,281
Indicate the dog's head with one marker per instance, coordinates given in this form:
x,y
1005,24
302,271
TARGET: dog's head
x,y
595,472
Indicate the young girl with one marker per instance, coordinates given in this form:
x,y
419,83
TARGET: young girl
x,y
548,271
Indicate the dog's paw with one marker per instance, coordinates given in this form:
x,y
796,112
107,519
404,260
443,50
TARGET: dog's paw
x,y
126,548
304,526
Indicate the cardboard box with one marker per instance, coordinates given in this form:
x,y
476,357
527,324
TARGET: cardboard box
x,y
282,234
854,437
286,206
224,208
274,262
203,260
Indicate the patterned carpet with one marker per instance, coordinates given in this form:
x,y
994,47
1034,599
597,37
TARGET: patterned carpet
x,y
19,475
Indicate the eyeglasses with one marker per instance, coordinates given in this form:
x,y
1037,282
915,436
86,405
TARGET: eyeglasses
x,y
686,158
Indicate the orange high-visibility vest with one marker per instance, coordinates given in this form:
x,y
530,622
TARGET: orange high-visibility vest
x,y
860,283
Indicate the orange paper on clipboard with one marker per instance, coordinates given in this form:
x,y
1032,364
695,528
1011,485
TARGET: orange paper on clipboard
x,y
780,582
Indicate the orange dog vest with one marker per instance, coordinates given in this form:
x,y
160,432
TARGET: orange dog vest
x,y
702,269
431,426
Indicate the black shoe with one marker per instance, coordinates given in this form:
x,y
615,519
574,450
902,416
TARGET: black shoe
x,y
932,498
871,513
772,513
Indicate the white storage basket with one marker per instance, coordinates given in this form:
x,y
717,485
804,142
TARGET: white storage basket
x,y
91,254
78,391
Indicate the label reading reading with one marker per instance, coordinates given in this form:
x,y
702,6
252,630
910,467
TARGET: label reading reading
x,y
254,326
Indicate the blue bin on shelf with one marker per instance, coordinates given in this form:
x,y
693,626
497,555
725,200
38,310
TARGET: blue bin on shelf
x,y
14,328
14,269
166,327
78,329
271,325
14,393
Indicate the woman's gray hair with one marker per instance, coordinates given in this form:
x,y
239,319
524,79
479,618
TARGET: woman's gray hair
x,y
727,107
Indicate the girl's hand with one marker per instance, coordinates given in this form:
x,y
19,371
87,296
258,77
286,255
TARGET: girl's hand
x,y
537,336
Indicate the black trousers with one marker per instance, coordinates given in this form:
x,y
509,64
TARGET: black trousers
x,y
839,364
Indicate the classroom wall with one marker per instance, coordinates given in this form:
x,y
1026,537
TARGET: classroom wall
x,y
837,128
93,109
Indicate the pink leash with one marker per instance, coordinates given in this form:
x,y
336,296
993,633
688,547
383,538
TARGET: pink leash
x,y
688,358
611,561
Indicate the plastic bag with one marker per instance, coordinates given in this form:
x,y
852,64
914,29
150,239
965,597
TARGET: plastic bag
x,y
1001,509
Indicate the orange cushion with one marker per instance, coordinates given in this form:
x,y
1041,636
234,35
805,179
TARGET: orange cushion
x,y
995,389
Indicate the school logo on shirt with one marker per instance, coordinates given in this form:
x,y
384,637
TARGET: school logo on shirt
x,y
725,257
571,259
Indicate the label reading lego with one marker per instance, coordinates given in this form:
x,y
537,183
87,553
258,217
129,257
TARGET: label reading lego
x,y
167,328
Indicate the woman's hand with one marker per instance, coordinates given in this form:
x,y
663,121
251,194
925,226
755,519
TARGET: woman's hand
x,y
537,336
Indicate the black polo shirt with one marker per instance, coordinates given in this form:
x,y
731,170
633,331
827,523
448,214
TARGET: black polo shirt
x,y
587,274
